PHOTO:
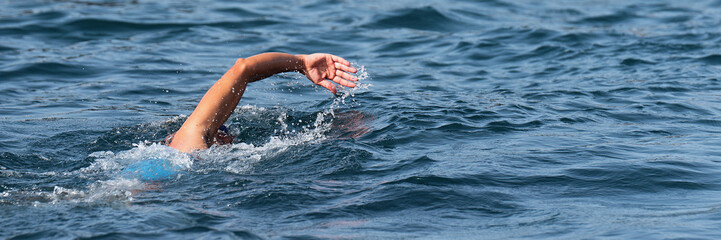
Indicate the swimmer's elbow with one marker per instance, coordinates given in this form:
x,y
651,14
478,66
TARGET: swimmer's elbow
x,y
239,64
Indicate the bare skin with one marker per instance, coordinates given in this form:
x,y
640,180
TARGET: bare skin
x,y
200,130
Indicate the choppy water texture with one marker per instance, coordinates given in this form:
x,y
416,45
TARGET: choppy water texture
x,y
475,119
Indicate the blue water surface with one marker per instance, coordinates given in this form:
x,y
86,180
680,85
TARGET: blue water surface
x,y
487,119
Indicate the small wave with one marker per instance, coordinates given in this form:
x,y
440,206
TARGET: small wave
x,y
456,128
577,39
505,126
681,108
55,70
542,52
433,180
116,26
542,96
238,11
404,197
707,122
572,120
649,177
504,35
669,88
426,18
409,47
615,18
676,19
713,59
19,162
636,62
406,165
5,49
78,30
473,14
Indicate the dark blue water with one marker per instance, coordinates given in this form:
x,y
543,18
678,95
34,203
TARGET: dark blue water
x,y
474,119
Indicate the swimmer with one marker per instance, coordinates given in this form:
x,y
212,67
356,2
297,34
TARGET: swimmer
x,y
203,128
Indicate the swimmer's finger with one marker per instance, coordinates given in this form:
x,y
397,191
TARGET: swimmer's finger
x,y
328,85
340,60
343,82
346,76
345,68
331,66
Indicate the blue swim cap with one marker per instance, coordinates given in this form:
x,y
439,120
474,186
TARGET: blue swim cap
x,y
153,169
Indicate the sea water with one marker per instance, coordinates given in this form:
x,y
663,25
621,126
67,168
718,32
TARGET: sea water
x,y
488,119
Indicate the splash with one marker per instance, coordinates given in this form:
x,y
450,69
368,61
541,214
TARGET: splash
x,y
110,191
239,158
345,92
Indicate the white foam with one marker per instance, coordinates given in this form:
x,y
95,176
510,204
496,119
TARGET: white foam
x,y
105,191
109,162
12,173
114,187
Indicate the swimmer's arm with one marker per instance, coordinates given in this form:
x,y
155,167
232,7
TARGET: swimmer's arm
x,y
217,104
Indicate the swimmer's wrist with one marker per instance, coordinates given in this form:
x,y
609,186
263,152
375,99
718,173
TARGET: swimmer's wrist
x,y
300,64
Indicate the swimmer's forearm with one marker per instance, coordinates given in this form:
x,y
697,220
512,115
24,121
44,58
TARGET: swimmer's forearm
x,y
265,65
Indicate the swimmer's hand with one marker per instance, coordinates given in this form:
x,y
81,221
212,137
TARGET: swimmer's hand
x,y
322,68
